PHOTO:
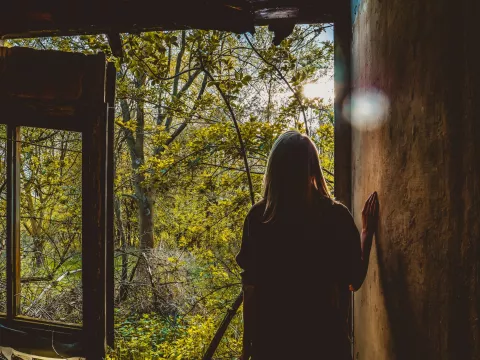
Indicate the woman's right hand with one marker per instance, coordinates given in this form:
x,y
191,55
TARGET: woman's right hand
x,y
370,215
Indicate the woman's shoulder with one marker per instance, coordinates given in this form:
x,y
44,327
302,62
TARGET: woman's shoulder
x,y
341,211
334,206
257,210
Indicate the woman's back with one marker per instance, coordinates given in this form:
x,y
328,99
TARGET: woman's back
x,y
299,265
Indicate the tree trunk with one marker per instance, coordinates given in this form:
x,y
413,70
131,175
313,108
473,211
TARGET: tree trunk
x,y
143,195
145,217
35,228
123,245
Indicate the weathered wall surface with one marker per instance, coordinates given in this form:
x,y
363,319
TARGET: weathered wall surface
x,y
421,299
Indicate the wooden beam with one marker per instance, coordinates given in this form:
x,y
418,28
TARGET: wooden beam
x,y
110,290
45,87
76,17
29,114
343,130
105,16
115,43
42,327
94,150
93,238
34,337
41,75
13,221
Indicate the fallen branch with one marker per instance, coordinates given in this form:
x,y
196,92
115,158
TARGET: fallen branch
x,y
223,327
60,278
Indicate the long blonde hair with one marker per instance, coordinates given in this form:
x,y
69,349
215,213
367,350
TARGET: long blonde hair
x,y
293,175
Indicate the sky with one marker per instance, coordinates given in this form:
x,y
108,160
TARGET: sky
x,y
324,87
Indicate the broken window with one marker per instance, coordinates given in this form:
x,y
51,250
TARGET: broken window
x,y
54,170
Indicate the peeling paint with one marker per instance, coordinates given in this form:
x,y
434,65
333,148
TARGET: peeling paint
x,y
356,6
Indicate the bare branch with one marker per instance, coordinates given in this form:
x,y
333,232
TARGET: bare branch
x,y
239,134
300,103
60,278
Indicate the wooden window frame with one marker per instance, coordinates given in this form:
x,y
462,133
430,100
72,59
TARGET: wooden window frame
x,y
92,115
343,128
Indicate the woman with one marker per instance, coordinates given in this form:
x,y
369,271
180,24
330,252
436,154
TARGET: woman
x,y
301,256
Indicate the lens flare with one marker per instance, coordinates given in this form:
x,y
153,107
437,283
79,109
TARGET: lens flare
x,y
367,108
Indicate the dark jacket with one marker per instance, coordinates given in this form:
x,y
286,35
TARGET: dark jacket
x,y
301,265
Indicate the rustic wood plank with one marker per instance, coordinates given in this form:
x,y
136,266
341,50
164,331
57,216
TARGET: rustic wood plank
x,y
110,290
74,17
94,216
80,17
35,337
24,322
46,88
93,239
13,221
41,116
343,130
42,75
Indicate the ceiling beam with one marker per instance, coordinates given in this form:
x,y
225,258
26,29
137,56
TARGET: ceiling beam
x,y
30,18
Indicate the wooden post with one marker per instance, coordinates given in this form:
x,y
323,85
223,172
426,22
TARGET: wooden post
x,y
343,131
110,290
93,239
94,175
13,221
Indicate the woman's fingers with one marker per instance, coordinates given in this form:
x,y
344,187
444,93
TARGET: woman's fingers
x,y
371,202
370,213
366,207
374,203
372,208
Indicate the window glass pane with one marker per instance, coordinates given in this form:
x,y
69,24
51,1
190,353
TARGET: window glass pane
x,y
3,218
51,225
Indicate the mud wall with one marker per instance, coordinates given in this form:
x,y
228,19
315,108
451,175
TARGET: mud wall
x,y
421,298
